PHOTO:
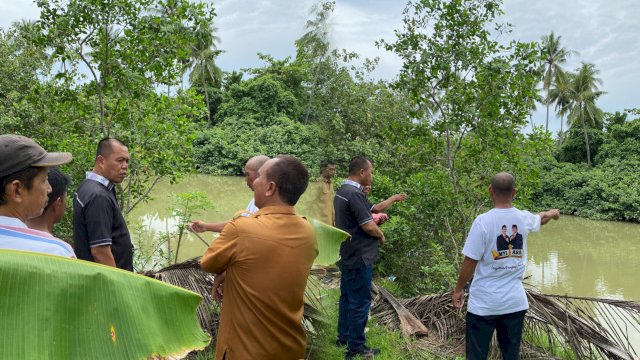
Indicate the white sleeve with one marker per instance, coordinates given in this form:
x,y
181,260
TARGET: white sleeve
x,y
532,222
474,247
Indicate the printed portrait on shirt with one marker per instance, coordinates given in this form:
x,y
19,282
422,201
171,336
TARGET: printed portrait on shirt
x,y
508,243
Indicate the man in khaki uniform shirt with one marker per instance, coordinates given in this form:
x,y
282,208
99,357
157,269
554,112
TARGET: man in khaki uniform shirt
x,y
267,258
324,202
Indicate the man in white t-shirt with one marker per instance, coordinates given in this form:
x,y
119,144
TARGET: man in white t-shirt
x,y
497,300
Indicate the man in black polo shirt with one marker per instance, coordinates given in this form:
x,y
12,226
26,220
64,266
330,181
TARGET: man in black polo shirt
x,y
357,255
100,233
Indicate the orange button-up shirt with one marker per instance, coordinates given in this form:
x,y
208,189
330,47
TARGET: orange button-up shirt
x,y
267,258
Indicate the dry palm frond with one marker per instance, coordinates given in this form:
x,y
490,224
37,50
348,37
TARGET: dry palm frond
x,y
445,327
409,324
329,276
190,276
589,328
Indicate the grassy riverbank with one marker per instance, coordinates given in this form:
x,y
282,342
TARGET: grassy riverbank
x,y
391,344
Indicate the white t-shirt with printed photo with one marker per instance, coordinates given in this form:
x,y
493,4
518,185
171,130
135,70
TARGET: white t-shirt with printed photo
x,y
498,241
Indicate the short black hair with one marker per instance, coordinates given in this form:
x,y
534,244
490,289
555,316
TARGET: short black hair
x,y
25,176
325,163
514,226
504,226
59,183
291,177
358,163
503,184
105,146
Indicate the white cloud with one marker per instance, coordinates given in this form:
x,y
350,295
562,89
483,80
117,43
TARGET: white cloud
x,y
248,27
605,32
16,10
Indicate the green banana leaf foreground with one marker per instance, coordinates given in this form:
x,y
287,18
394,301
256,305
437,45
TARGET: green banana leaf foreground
x,y
57,308
329,239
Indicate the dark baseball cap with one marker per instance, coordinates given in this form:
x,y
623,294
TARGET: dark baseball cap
x,y
19,152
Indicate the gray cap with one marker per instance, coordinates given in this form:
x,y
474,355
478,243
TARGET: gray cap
x,y
19,152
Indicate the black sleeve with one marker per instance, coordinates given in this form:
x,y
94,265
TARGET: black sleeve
x,y
361,208
99,217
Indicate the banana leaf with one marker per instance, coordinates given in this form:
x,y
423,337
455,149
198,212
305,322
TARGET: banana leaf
x,y
329,239
58,308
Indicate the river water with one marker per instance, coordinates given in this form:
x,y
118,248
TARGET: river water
x,y
581,257
149,222
572,256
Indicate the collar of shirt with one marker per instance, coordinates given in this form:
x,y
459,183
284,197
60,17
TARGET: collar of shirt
x,y
353,183
11,221
101,179
283,209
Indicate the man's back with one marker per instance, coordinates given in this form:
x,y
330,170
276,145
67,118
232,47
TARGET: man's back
x,y
267,259
497,286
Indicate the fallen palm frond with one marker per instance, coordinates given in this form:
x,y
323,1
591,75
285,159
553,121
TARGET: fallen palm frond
x,y
409,324
591,328
445,327
555,326
189,275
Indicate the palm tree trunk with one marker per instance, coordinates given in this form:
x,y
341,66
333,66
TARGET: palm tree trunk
x,y
561,137
206,94
206,99
586,141
531,120
546,127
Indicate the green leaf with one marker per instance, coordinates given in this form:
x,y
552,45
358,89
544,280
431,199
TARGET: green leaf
x,y
329,240
58,308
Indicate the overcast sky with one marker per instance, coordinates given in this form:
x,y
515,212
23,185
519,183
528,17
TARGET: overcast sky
x,y
604,32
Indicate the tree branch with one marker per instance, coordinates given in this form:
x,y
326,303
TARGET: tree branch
x,y
146,194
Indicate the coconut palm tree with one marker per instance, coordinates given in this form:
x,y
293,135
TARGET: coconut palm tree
x,y
554,57
204,52
560,94
584,93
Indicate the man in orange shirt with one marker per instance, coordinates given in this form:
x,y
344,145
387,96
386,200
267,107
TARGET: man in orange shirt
x,y
267,258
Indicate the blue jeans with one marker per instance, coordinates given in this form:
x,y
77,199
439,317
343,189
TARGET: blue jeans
x,y
480,331
355,300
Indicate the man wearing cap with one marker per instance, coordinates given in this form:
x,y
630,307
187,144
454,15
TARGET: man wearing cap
x,y
24,167
100,233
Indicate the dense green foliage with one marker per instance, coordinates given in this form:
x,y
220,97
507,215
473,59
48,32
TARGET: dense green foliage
x,y
129,51
453,117
608,191
257,116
